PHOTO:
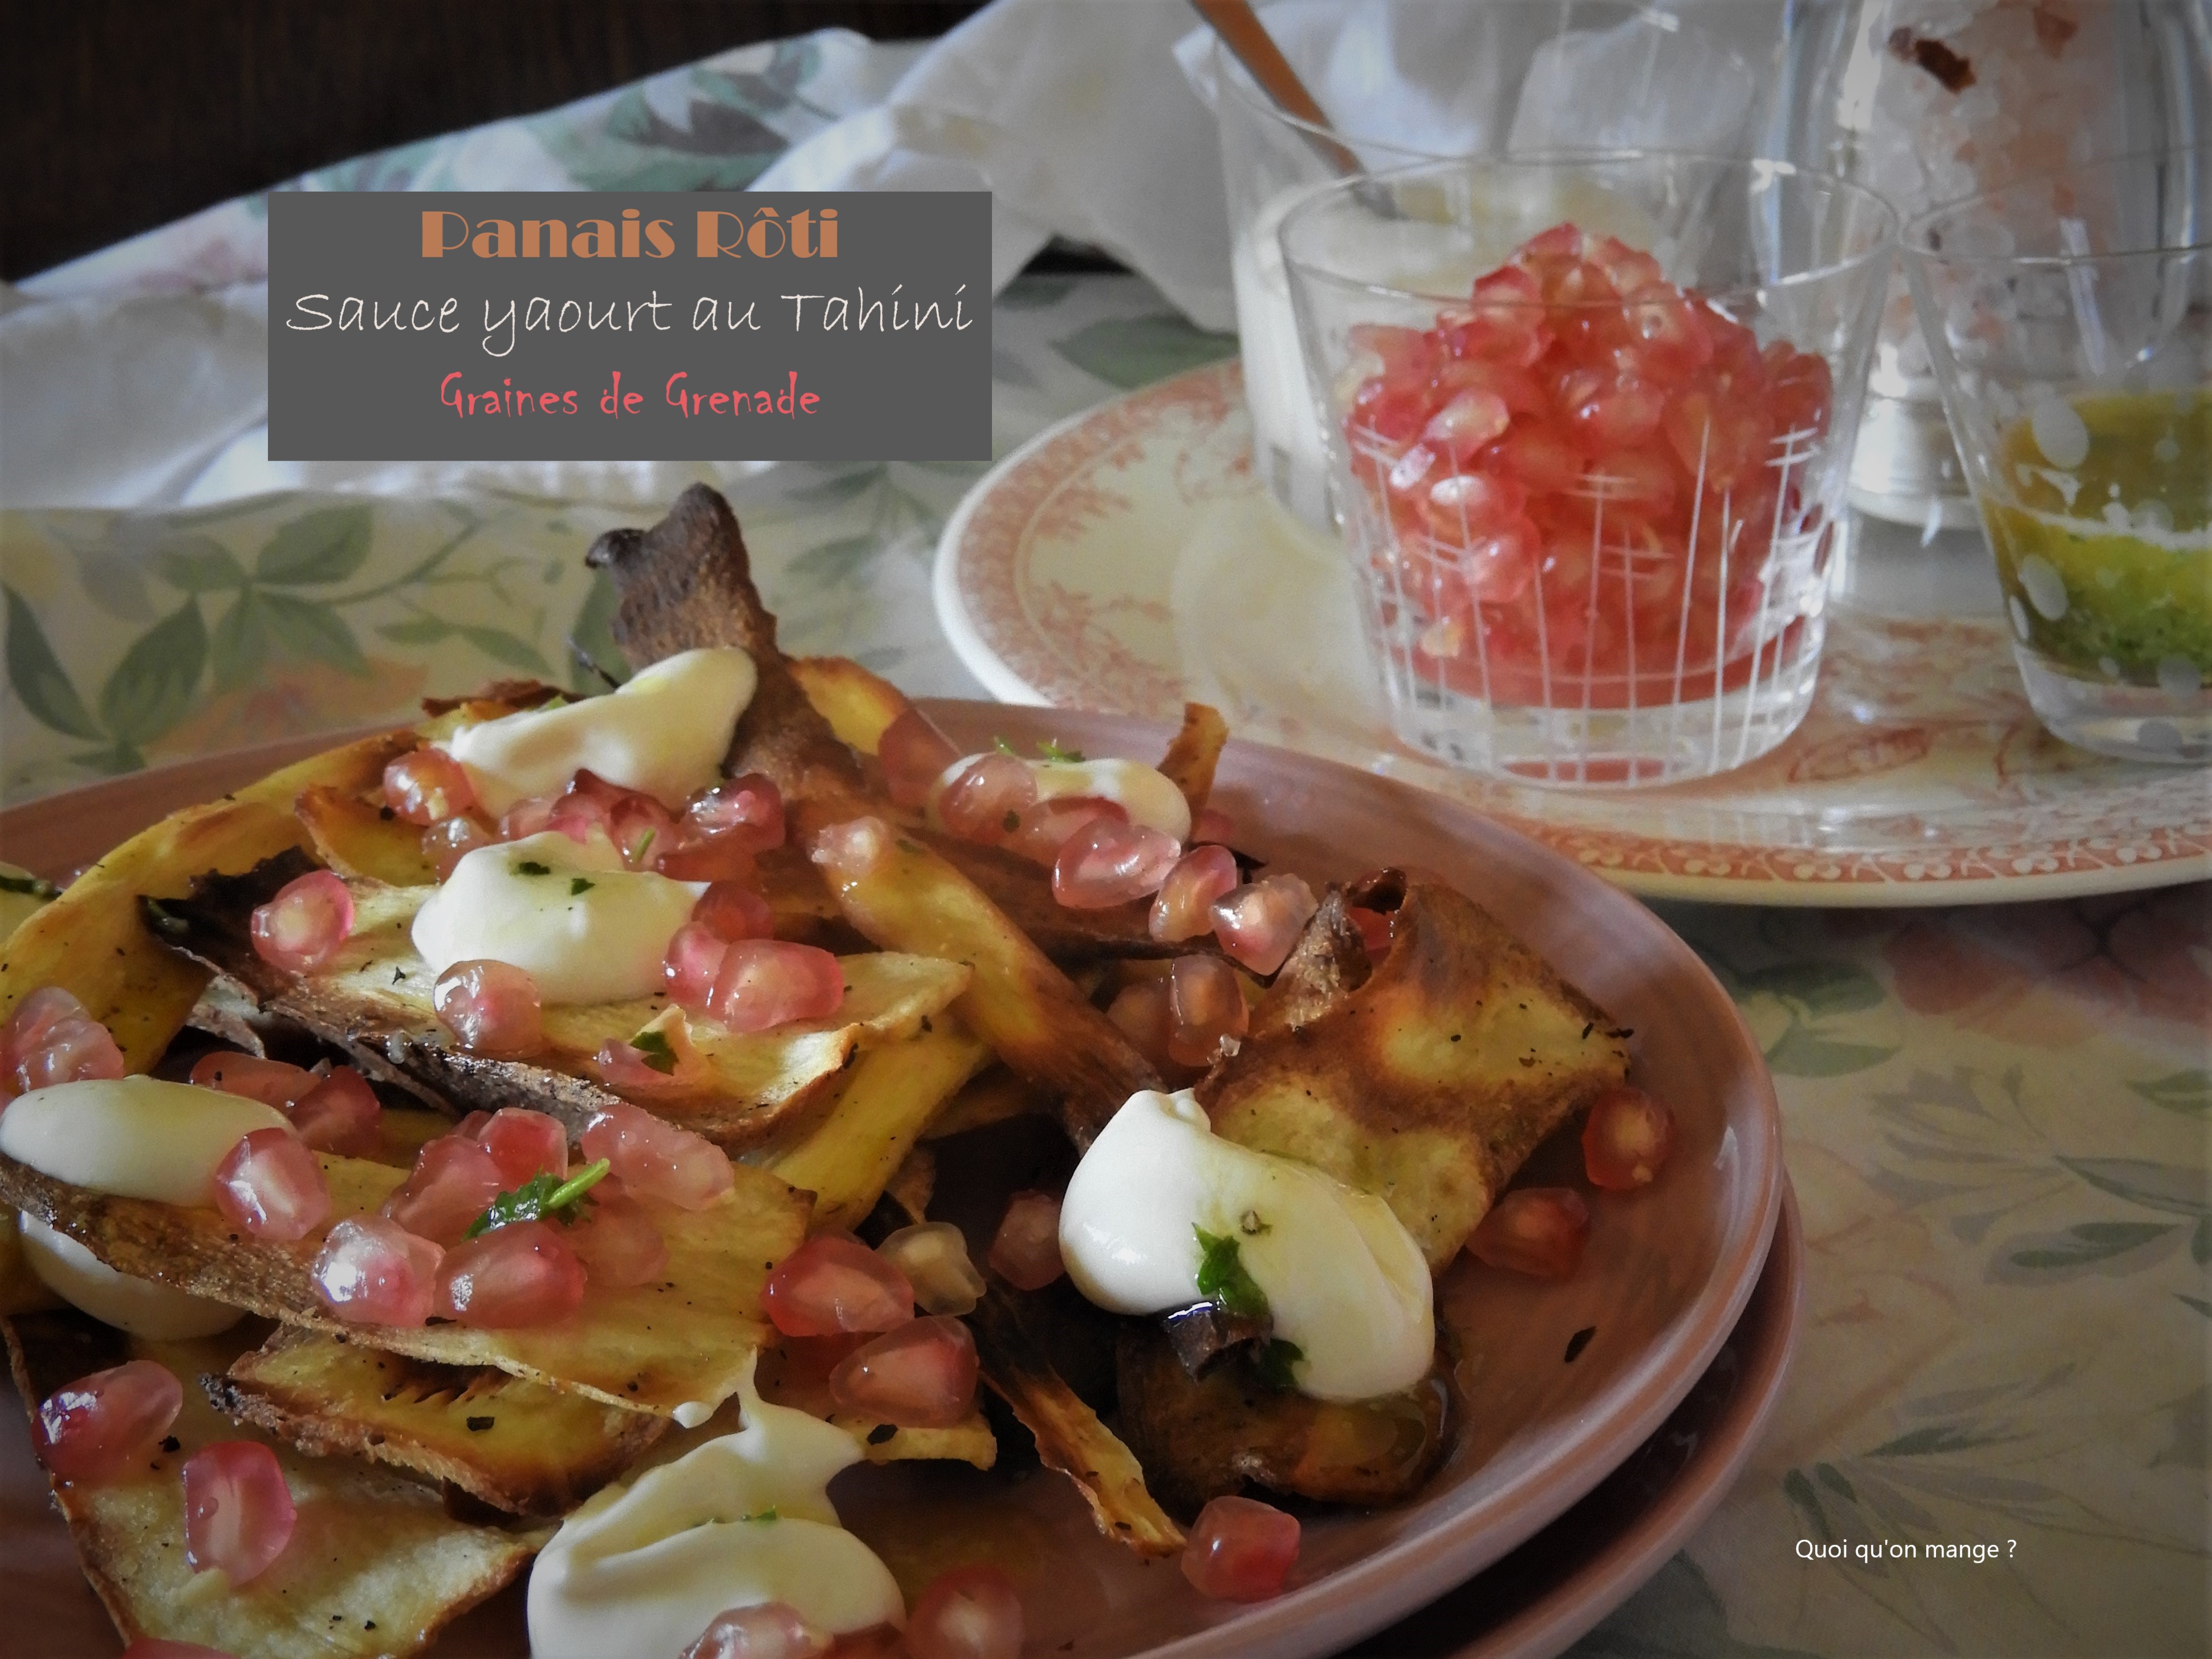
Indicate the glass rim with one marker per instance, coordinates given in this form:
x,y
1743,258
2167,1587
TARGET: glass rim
x,y
1909,241
1536,161
1247,91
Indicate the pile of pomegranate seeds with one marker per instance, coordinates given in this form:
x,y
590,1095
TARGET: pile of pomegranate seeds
x,y
933,1256
334,1110
657,1160
969,1613
1580,471
1025,1251
616,1241
832,1285
920,1376
1625,1139
769,1629
491,1008
520,1274
271,1186
453,1182
238,1511
428,787
914,755
50,1039
108,1425
1240,1550
302,927
1206,1007
372,1271
1259,923
1109,861
1539,1231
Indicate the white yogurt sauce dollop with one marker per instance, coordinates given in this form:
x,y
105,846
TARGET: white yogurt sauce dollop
x,y
664,731
1145,792
568,913
1344,1279
644,1566
133,1137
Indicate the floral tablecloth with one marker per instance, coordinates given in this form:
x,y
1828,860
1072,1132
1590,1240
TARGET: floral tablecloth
x,y
1996,1118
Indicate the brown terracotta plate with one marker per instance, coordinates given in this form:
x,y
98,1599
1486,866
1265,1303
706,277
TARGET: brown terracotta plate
x,y
1666,1276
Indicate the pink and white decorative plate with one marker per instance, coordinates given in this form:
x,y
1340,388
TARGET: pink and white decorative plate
x,y
1130,559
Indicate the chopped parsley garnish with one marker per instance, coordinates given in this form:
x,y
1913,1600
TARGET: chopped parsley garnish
x,y
1004,747
579,885
1050,750
532,867
29,885
1222,1278
1274,1361
660,1053
542,1198
767,1514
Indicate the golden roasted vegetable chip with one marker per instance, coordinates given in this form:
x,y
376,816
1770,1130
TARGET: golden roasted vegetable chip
x,y
651,1348
1429,1082
376,1565
374,999
1194,752
518,1446
858,704
358,838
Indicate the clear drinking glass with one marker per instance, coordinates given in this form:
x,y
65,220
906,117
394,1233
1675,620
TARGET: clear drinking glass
x,y
1426,80
1591,509
2070,316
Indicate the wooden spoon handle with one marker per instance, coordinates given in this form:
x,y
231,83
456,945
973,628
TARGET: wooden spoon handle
x,y
1248,40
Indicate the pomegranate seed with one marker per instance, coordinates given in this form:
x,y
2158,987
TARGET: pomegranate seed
x,y
523,1144
1025,1251
341,1114
1626,1138
271,1082
914,755
641,830
1207,1006
454,1180
747,811
1145,1014
1212,825
447,843
372,1271
238,1511
767,1630
765,983
1537,457
1539,1231
852,851
1043,828
1374,930
490,1007
986,801
731,912
921,1376
50,1039
694,959
270,1185
657,1160
1472,419
969,1613
302,927
530,816
616,1241
1240,1550
1107,863
106,1424
718,859
518,1274
1259,924
1184,908
833,1284
932,1257
428,787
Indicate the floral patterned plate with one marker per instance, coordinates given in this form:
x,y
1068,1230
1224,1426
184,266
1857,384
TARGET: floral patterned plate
x,y
1128,558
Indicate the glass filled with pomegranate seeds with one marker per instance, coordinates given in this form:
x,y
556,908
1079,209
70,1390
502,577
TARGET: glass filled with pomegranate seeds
x,y
1592,495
